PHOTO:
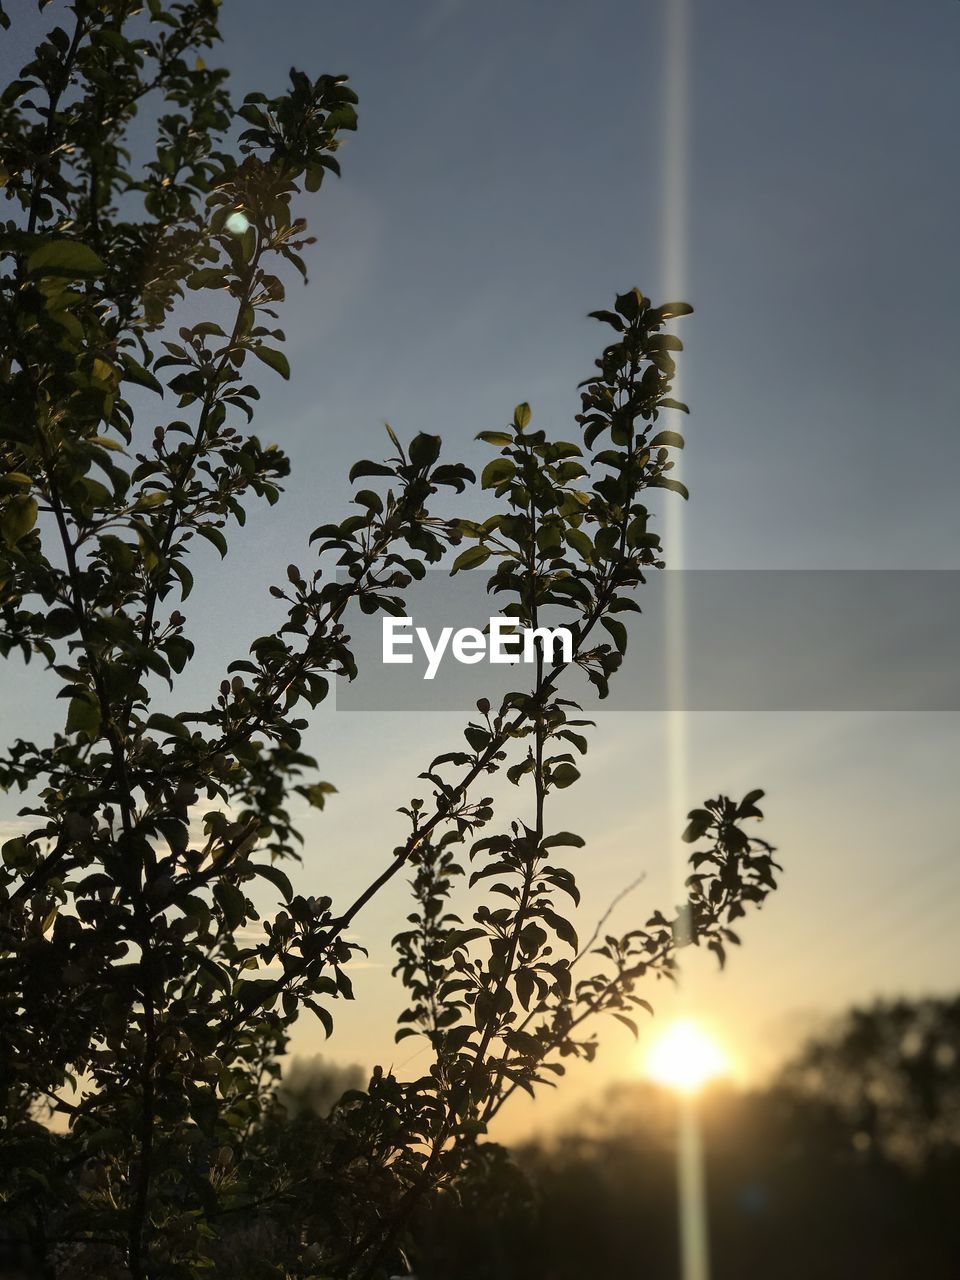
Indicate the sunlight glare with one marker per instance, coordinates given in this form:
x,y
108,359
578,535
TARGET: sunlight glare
x,y
685,1058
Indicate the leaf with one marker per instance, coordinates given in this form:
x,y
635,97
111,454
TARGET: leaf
x,y
470,559
496,471
609,317
525,984
275,359
148,500
617,630
700,822
342,117
532,937
581,542
666,482
564,775
668,439
629,304
216,537
17,518
563,879
212,970
104,373
366,468
67,258
563,838
83,716
562,927
254,993
275,876
231,902
324,1015
179,652
424,449
747,807
316,795
185,577
665,342
15,852
134,372
168,724
522,416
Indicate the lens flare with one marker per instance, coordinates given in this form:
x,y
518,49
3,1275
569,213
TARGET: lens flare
x,y
685,1058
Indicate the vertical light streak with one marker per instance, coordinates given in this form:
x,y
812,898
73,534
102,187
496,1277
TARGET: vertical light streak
x,y
693,1226
694,1246
673,236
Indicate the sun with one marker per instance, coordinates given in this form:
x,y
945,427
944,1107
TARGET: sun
x,y
685,1057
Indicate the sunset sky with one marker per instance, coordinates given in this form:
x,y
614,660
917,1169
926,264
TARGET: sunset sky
x,y
509,176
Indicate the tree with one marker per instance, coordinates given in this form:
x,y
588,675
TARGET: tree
x,y
133,1004
314,1087
891,1073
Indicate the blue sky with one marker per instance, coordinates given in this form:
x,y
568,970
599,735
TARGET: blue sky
x,y
508,177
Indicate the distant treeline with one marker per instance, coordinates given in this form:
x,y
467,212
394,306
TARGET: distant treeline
x,y
848,1165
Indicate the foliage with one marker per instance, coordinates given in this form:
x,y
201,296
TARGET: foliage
x,y
892,1072
145,998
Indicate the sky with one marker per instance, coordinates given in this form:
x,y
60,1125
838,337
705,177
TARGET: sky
x,y
791,171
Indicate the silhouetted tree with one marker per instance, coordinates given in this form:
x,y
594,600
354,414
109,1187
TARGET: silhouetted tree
x,y
892,1074
145,998
313,1086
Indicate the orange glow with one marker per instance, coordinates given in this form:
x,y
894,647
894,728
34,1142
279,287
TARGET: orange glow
x,y
685,1057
